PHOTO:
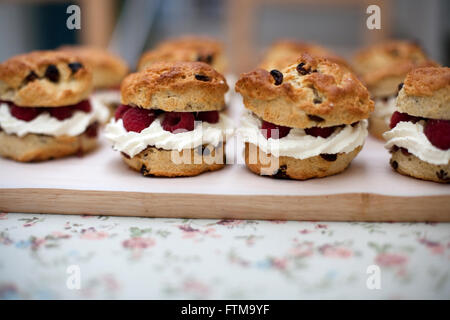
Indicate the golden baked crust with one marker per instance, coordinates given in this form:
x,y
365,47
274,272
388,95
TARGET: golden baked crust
x,y
188,48
285,52
383,66
426,93
327,95
292,168
175,86
44,79
158,162
108,69
410,165
37,147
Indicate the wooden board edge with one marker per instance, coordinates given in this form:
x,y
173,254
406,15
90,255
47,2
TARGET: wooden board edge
x,y
336,207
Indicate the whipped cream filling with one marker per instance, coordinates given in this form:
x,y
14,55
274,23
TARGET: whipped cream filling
x,y
297,144
131,143
410,136
384,108
44,123
107,96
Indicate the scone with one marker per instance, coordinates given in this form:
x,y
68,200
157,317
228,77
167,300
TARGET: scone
x,y
171,122
108,70
419,140
305,121
382,68
285,52
45,110
187,48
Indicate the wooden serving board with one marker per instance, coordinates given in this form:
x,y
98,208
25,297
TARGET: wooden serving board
x,y
100,183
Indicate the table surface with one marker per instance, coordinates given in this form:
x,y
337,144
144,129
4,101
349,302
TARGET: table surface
x,y
136,258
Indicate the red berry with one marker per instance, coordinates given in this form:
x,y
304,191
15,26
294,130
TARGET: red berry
x,y
24,113
320,132
120,111
438,132
92,130
178,121
402,117
208,116
84,105
137,119
61,113
268,130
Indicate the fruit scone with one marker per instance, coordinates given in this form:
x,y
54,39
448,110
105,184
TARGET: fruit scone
x,y
45,110
186,48
419,140
382,68
171,122
285,52
309,119
108,70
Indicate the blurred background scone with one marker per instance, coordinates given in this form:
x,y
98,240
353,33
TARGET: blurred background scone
x,y
309,118
108,70
171,122
382,68
285,52
187,48
419,140
45,110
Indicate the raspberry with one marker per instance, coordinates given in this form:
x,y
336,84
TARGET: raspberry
x,y
84,105
61,113
399,117
438,132
208,116
137,119
267,132
120,111
320,132
24,113
174,121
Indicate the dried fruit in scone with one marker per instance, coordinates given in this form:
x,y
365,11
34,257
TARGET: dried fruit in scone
x,y
45,78
187,48
314,92
286,52
108,69
176,86
383,66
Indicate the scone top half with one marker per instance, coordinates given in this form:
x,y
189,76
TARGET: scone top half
x,y
313,92
175,86
107,68
382,67
426,93
187,48
285,52
45,79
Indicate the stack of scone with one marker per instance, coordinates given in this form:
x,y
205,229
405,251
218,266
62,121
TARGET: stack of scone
x,y
308,118
419,140
45,111
170,123
285,52
187,48
108,70
382,68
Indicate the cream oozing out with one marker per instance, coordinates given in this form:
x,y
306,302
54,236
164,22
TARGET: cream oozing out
x,y
297,144
131,143
411,136
45,124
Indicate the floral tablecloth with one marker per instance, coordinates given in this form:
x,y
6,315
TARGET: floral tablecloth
x,y
124,257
